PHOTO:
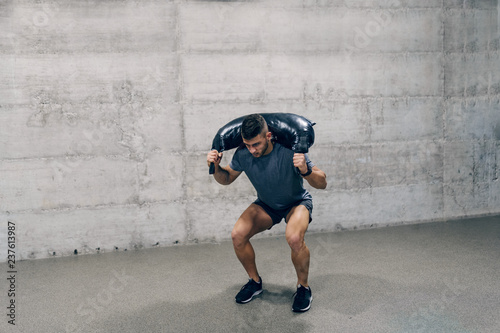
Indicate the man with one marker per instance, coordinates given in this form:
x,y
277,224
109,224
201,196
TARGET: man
x,y
277,175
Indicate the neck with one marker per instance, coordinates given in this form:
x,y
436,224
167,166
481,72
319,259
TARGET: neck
x,y
269,148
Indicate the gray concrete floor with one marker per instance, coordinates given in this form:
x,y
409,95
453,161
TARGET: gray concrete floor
x,y
434,277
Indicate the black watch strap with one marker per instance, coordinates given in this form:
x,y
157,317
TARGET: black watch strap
x,y
309,171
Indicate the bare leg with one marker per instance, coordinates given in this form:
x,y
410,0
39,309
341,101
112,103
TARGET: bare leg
x,y
298,221
253,220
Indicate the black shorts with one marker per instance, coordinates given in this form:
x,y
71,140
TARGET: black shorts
x,y
278,214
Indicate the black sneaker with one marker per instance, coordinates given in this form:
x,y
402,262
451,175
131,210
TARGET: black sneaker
x,y
302,299
248,291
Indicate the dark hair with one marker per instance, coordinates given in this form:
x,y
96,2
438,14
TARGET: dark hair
x,y
252,126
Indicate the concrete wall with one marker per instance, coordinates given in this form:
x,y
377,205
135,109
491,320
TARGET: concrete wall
x,y
108,108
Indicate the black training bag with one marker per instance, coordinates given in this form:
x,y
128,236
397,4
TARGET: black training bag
x,y
290,130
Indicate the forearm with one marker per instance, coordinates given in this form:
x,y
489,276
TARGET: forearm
x,y
222,176
317,179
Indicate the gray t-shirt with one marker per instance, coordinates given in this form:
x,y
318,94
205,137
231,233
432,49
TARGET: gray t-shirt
x,y
277,181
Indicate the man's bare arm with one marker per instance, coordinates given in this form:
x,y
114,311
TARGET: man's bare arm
x,y
317,178
223,175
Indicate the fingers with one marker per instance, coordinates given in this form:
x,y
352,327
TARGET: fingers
x,y
214,157
299,161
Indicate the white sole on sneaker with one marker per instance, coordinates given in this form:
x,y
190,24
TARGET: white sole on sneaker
x,y
304,310
251,297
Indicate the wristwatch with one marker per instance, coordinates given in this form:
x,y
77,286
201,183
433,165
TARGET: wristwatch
x,y
309,171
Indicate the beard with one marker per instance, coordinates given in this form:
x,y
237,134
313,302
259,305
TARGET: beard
x,y
260,154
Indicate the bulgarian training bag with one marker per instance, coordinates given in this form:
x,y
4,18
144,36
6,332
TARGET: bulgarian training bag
x,y
290,130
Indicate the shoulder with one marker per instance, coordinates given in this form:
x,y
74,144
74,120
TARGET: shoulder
x,y
241,155
283,152
282,149
241,152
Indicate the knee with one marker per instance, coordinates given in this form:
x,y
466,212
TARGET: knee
x,y
239,237
296,242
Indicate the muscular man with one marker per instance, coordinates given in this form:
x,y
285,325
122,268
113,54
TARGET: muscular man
x,y
277,175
